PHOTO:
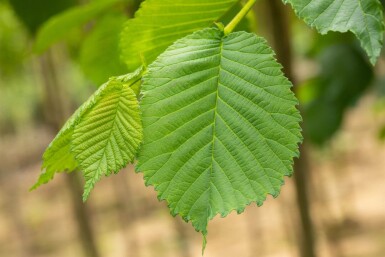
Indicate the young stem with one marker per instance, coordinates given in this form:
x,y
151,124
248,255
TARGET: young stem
x,y
240,15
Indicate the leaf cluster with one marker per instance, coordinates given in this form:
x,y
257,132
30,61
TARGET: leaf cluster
x,y
220,122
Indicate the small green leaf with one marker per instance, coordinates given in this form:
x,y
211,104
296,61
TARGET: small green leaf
x,y
107,136
158,23
106,128
58,26
221,126
362,17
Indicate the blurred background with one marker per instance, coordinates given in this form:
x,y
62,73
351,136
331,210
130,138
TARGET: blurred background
x,y
334,206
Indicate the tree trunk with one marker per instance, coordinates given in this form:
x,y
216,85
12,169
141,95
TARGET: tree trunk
x,y
128,211
56,111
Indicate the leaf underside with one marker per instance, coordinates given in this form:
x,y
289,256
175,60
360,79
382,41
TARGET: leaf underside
x,y
221,126
101,137
362,17
158,23
107,137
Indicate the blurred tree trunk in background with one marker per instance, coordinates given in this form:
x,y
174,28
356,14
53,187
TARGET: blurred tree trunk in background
x,y
128,211
57,110
278,23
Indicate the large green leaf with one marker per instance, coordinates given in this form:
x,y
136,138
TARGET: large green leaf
x,y
101,137
362,17
158,23
60,25
220,122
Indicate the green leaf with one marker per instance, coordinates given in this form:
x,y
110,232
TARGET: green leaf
x,y
116,131
362,17
107,137
344,77
60,25
220,122
158,23
100,65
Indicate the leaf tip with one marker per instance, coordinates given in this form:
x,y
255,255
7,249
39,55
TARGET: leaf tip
x,y
373,60
34,187
86,194
87,191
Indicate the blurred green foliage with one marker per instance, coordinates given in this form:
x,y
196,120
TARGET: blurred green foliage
x,y
100,55
21,93
13,42
344,76
60,25
96,48
19,103
379,108
33,13
18,97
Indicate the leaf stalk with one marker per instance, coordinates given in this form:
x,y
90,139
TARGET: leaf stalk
x,y
240,15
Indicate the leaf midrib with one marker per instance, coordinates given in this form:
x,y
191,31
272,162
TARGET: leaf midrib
x,y
215,118
114,120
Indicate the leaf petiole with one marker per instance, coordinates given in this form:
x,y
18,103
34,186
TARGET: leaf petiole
x,y
240,15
